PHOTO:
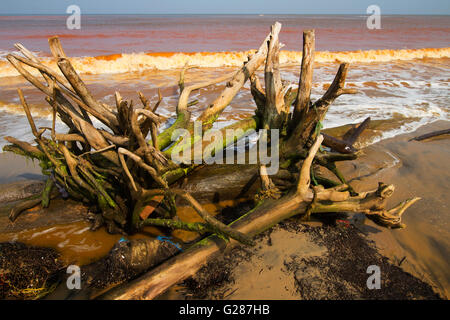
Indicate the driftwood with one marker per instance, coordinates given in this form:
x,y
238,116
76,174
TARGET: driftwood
x,y
345,145
120,172
126,260
431,135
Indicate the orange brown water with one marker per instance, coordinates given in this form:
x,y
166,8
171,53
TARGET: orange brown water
x,y
78,245
74,241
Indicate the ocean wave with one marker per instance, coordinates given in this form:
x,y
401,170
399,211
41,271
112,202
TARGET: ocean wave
x,y
135,62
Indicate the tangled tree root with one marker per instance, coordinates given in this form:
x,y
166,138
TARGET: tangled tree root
x,y
120,172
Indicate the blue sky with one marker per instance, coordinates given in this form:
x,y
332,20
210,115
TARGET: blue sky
x,y
226,6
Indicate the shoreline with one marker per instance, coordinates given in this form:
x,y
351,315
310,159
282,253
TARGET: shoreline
x,y
389,160
422,169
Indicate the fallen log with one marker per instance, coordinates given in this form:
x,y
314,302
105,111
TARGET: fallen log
x,y
19,190
431,135
126,260
345,145
338,144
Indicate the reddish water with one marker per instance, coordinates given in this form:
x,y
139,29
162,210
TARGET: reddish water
x,y
107,34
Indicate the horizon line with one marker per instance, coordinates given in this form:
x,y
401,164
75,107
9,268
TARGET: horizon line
x,y
228,14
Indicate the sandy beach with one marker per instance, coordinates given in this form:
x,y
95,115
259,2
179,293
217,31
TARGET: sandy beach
x,y
423,169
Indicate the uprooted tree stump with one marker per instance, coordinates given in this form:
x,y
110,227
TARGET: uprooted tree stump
x,y
119,171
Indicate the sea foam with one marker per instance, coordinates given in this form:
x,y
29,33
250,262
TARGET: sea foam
x,y
135,62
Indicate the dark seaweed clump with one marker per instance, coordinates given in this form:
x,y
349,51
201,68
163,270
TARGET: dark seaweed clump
x,y
27,272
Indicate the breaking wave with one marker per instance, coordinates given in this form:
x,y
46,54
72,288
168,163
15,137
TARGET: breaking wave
x,y
135,62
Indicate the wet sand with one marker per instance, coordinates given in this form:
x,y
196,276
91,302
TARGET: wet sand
x,y
420,168
422,249
297,261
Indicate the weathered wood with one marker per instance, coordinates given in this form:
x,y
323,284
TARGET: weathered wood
x,y
26,108
186,264
338,144
236,83
215,224
431,135
47,193
64,104
92,106
56,48
275,112
304,179
309,126
259,94
306,73
190,261
184,95
35,63
143,165
352,135
349,138
25,146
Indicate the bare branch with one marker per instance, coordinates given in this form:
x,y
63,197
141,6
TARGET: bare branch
x,y
306,74
235,84
145,166
305,171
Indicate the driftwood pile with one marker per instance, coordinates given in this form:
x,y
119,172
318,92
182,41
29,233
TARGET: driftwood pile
x,y
119,170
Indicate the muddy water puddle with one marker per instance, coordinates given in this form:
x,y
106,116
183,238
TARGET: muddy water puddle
x,y
78,245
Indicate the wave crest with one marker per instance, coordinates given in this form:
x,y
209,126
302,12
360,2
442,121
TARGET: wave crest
x,y
135,62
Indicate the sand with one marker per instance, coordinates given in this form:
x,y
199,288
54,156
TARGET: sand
x,y
297,261
421,168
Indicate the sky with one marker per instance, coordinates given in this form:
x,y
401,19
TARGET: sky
x,y
226,6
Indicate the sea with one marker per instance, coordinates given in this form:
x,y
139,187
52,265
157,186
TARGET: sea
x,y
401,71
